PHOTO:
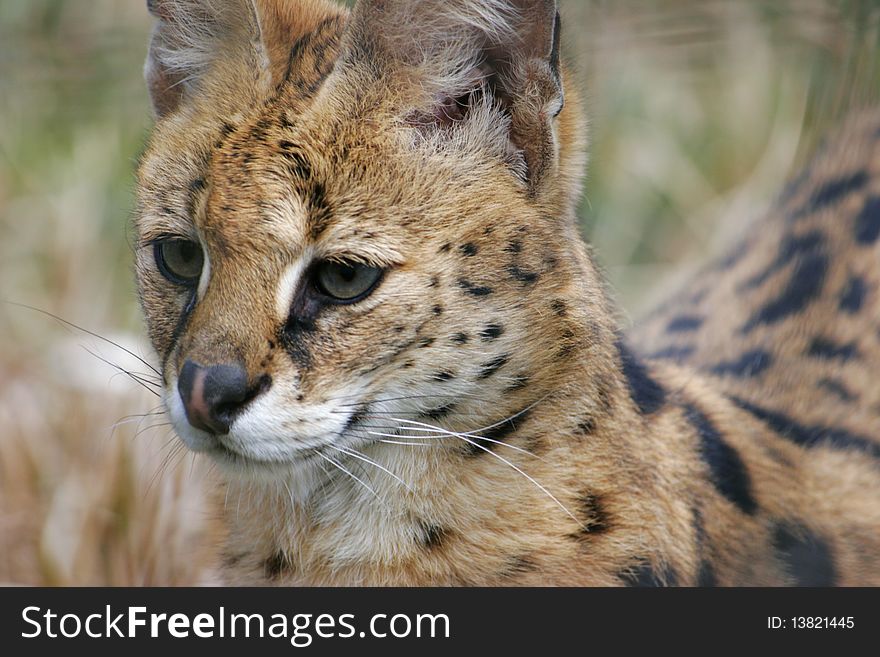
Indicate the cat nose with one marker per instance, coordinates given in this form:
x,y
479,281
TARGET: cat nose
x,y
213,395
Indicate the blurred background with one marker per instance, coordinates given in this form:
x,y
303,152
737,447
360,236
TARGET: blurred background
x,y
699,110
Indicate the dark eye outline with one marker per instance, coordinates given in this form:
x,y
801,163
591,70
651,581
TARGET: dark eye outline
x,y
329,298
165,270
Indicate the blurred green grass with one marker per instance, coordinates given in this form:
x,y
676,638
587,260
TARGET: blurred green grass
x,y
699,110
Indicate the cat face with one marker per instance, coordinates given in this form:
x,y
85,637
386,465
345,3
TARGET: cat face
x,y
363,239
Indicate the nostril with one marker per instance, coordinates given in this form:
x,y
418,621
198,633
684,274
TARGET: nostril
x,y
212,396
227,410
225,386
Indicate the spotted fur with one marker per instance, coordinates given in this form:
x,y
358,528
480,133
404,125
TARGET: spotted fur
x,y
480,418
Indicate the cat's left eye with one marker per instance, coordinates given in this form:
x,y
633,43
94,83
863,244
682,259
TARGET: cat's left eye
x,y
346,282
180,261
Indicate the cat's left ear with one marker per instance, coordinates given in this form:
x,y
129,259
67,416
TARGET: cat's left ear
x,y
453,51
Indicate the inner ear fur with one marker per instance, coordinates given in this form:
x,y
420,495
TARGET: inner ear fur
x,y
190,37
454,51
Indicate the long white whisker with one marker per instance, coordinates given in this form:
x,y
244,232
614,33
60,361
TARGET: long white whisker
x,y
361,457
357,479
454,434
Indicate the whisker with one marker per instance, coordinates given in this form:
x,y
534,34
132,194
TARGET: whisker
x,y
84,330
361,457
540,487
398,442
454,434
506,462
340,467
124,371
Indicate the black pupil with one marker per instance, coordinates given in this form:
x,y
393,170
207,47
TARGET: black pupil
x,y
181,260
346,273
187,252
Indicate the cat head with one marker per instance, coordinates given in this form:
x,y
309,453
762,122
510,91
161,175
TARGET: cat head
x,y
349,217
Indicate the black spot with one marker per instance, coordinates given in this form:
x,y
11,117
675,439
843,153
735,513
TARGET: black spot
x,y
492,332
197,185
474,290
469,249
806,555
445,248
488,369
492,437
830,193
837,388
676,354
435,281
461,338
276,566
727,470
518,566
852,297
437,310
515,246
356,418
790,249
298,165
810,436
441,412
559,308
646,393
586,426
594,518
749,364
518,383
684,324
443,376
569,343
233,560
433,537
824,348
706,575
805,286
868,222
644,576
522,275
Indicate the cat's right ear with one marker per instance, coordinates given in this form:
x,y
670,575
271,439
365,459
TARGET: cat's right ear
x,y
163,81
192,36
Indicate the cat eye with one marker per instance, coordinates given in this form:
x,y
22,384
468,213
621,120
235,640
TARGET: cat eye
x,y
346,282
180,261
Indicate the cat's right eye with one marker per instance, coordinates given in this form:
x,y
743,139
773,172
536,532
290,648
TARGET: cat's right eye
x,y
179,260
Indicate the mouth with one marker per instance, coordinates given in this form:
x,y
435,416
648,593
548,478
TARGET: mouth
x,y
230,457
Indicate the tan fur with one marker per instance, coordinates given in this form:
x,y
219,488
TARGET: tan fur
x,y
491,320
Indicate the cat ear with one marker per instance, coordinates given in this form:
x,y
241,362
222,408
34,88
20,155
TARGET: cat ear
x,y
190,38
460,51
